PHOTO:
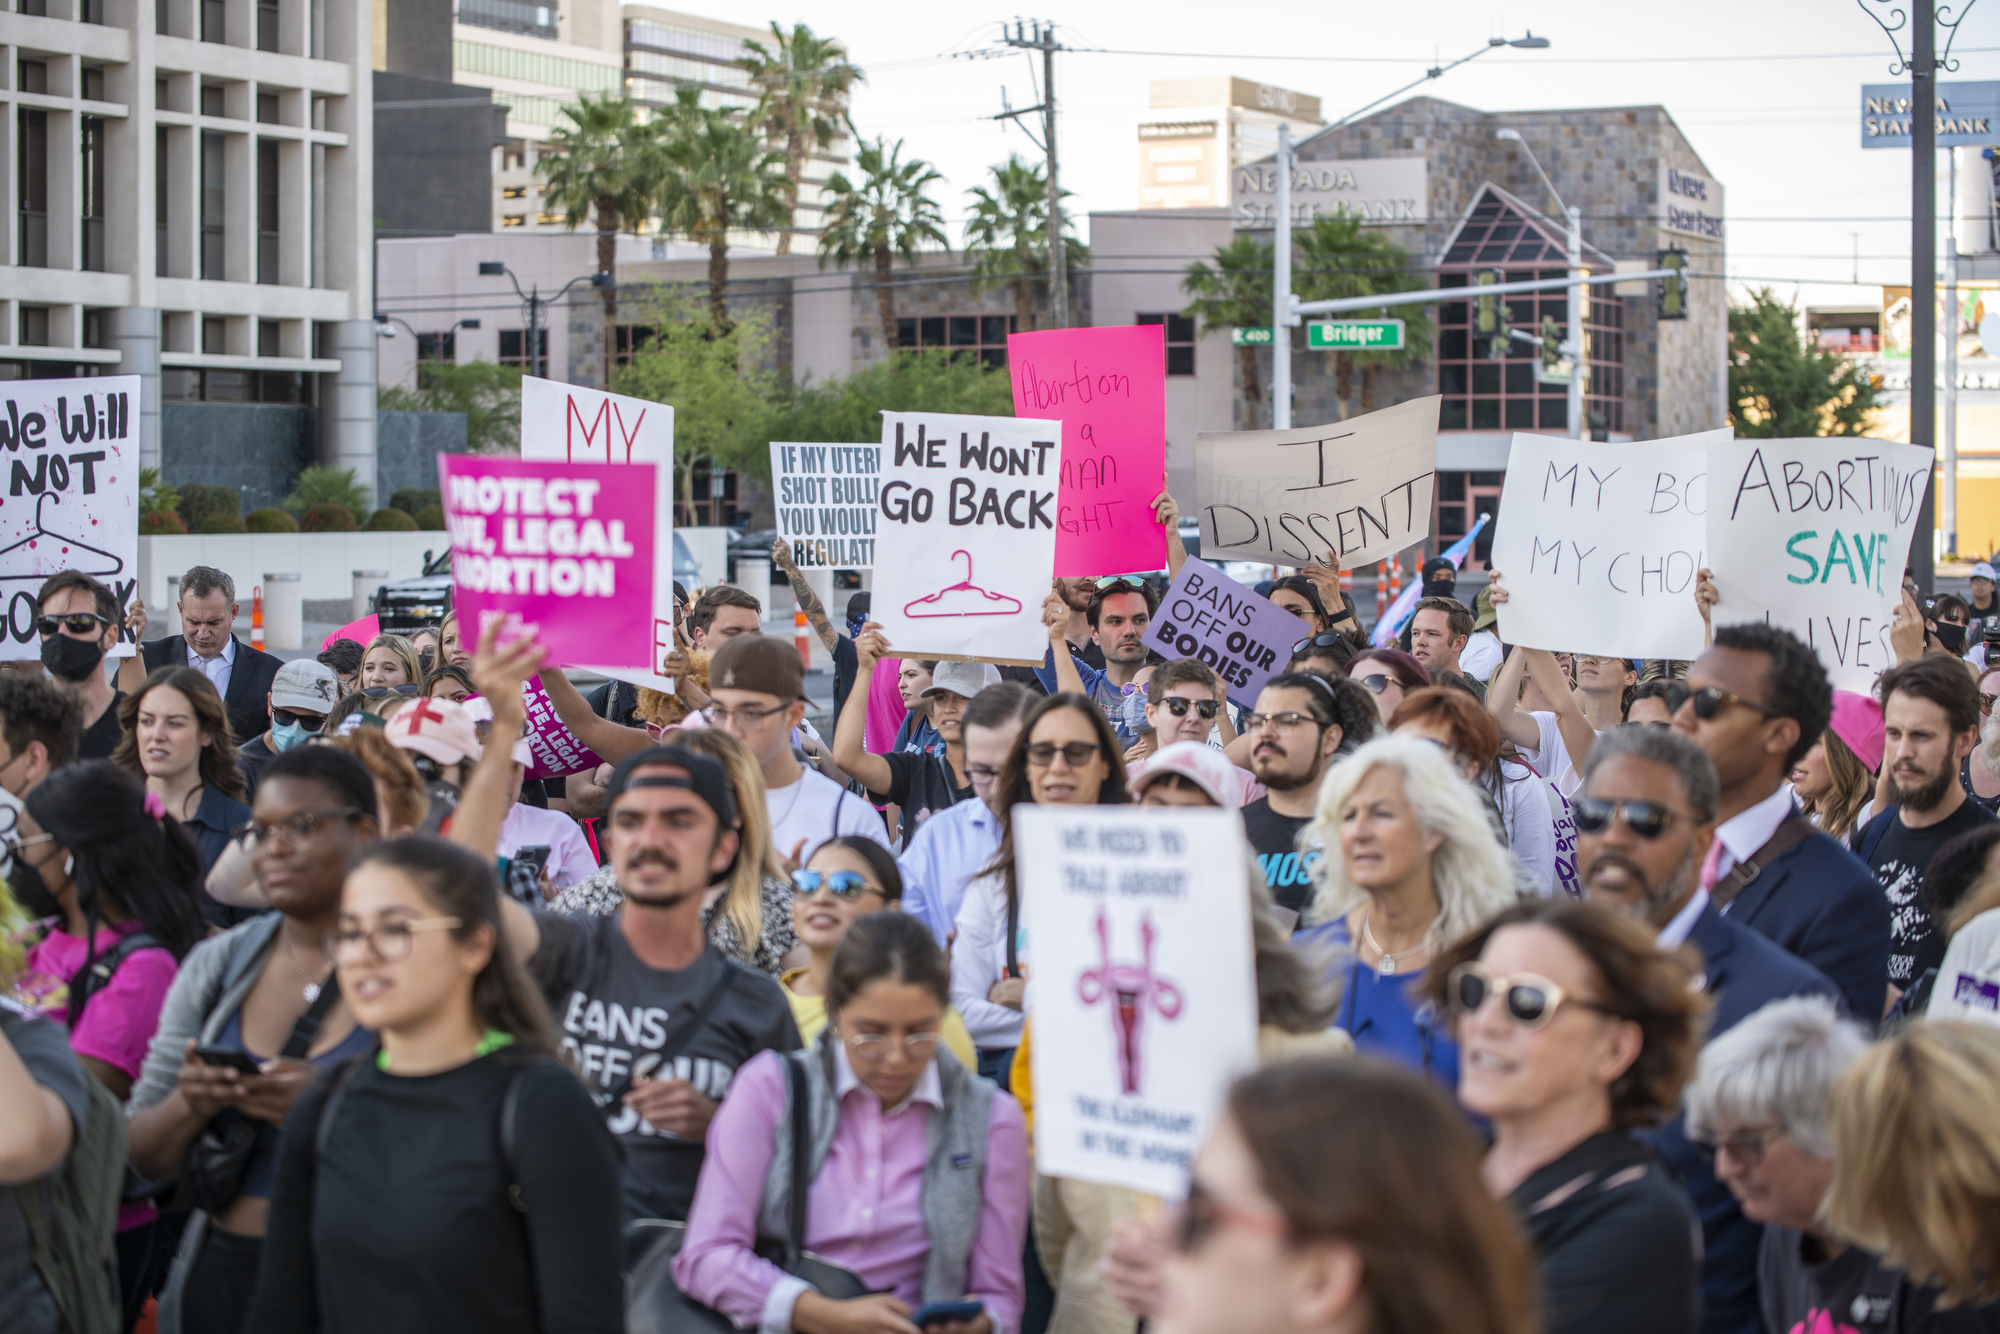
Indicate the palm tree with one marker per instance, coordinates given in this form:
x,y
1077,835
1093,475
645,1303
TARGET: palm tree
x,y
716,176
888,214
600,162
1236,293
1007,235
1339,257
802,82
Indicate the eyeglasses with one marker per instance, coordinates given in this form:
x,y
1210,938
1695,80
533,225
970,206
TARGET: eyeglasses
x,y
844,885
748,717
383,692
1745,1146
1178,707
1647,819
294,829
1377,683
1201,1214
1283,722
1708,701
871,1047
1075,754
77,623
1986,704
312,722
388,940
1331,639
981,773
1530,999
1113,580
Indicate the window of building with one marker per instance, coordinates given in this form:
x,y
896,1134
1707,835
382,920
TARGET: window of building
x,y
214,335
92,134
160,24
1180,341
93,83
514,192
160,201
93,328
162,93
513,219
267,339
961,337
711,498
267,25
514,348
37,8
185,385
514,155
547,219
32,76
687,71
267,108
33,184
533,67
436,348
267,211
526,17
90,11
627,339
211,100
214,21
34,326
673,37
212,212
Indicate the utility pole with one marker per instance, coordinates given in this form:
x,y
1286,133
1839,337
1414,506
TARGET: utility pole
x,y
1579,309
1923,270
1282,318
1043,39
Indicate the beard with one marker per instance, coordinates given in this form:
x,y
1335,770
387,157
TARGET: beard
x,y
672,898
1075,594
1279,780
1926,796
1656,904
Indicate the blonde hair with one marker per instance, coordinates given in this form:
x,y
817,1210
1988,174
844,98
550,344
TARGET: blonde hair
x,y
400,789
743,900
1852,788
404,650
1470,870
1917,1156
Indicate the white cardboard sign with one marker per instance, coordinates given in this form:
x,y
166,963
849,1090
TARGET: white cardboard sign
x,y
70,449
1355,491
825,497
1144,1001
1812,535
966,520
571,424
1598,545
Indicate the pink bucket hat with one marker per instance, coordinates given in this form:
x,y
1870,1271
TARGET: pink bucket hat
x,y
1857,720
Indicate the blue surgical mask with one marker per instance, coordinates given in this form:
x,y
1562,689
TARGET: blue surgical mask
x,y
1135,712
288,736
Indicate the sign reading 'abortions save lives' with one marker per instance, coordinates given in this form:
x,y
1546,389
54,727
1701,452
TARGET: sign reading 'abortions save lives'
x,y
1349,493
826,503
1108,388
967,535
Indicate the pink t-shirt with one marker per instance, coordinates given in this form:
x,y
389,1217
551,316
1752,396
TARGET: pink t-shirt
x,y
885,707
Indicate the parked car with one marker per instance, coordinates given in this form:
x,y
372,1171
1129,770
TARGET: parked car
x,y
409,605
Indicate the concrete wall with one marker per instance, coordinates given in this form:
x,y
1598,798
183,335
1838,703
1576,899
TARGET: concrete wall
x,y
407,445
434,154
255,449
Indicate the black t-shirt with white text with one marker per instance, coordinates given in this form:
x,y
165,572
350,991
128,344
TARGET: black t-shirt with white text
x,y
1275,838
616,1013
1899,861
922,785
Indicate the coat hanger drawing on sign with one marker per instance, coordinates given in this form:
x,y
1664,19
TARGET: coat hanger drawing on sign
x,y
59,556
976,601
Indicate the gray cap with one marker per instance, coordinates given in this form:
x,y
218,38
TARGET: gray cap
x,y
305,684
961,678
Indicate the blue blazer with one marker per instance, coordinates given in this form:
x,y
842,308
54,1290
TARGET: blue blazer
x,y
1822,903
1742,973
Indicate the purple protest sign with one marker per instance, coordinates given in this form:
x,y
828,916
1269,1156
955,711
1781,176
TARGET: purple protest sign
x,y
557,751
1243,638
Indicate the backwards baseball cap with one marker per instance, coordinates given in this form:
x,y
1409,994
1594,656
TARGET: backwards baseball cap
x,y
961,678
763,663
305,684
1196,762
1857,720
439,728
1985,571
1484,615
705,778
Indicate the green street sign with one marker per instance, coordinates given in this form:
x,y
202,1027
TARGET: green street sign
x,y
1252,337
1356,335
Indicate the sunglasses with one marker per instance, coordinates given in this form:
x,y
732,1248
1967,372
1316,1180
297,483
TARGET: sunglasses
x,y
383,692
1114,580
1330,639
312,722
1178,707
1377,683
1530,999
1076,754
844,885
1647,819
1986,704
77,623
1745,1146
1709,701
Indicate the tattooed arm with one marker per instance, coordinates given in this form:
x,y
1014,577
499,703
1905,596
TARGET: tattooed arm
x,y
781,552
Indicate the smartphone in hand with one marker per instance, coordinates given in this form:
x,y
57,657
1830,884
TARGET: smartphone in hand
x,y
939,1313
240,1061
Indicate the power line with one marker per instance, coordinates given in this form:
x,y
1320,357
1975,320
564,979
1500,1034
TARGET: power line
x,y
1539,60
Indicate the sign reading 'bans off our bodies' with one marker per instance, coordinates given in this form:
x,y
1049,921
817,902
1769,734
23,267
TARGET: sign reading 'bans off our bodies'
x,y
1812,535
826,503
567,547
1243,638
1351,493
1108,387
1144,1002
967,535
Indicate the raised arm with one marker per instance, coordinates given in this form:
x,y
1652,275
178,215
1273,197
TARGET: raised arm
x,y
1706,595
1168,512
850,751
132,670
1503,692
1055,615
612,741
809,603
499,673
1578,736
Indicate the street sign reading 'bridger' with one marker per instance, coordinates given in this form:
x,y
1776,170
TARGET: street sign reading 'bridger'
x,y
1356,335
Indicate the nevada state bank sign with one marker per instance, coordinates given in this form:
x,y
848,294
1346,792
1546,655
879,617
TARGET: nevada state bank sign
x,y
1378,190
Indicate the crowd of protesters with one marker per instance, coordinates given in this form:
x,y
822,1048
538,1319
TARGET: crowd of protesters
x,y
1593,993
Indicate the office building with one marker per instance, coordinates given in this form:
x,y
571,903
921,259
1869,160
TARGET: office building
x,y
1198,132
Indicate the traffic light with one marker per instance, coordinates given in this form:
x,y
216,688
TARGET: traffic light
x,y
1551,349
1671,301
1487,311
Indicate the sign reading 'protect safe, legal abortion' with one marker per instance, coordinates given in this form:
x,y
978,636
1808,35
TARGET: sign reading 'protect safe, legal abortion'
x,y
566,547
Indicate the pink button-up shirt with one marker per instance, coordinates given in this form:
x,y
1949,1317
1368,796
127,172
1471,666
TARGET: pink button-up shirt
x,y
865,1208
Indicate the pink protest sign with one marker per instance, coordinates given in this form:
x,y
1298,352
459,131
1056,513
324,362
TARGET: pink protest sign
x,y
566,547
362,632
1108,387
557,751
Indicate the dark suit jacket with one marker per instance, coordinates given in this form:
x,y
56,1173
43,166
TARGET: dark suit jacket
x,y
1822,903
248,700
1743,973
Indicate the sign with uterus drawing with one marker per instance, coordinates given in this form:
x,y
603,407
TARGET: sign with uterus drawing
x,y
70,452
966,535
1143,998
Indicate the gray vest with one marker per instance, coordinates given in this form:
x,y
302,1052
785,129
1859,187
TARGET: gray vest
x,y
953,1167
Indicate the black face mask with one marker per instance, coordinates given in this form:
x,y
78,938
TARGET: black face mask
x,y
71,659
31,891
1951,636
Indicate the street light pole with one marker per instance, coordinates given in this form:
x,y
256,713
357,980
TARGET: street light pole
x,y
1578,297
1923,271
535,303
1282,318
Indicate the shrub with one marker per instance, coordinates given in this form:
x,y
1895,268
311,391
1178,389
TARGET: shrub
x,y
328,518
270,521
415,499
321,485
199,501
431,518
155,496
220,523
160,523
390,520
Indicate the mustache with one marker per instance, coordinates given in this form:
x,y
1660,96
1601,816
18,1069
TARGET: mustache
x,y
1624,863
652,857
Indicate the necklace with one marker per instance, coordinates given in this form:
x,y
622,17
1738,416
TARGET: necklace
x,y
1387,966
311,988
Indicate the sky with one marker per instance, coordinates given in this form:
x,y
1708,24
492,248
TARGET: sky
x,y
1767,91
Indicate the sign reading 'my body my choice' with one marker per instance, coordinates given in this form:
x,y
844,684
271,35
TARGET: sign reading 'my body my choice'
x,y
566,547
967,535
826,503
1108,388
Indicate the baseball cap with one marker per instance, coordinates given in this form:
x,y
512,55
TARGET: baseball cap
x,y
705,776
961,678
763,663
305,684
1439,567
439,728
480,710
1483,613
1857,720
1984,571
1196,762
858,605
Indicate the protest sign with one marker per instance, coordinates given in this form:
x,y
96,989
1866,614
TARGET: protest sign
x,y
825,496
1144,1002
362,632
566,547
1108,387
1812,535
557,750
967,544
1598,545
577,425
1245,639
72,498
1344,494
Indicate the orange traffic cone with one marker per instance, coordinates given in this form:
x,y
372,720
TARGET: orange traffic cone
x,y
257,618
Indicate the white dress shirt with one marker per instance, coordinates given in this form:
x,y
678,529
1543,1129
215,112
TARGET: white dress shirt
x,y
1675,933
1745,832
216,669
